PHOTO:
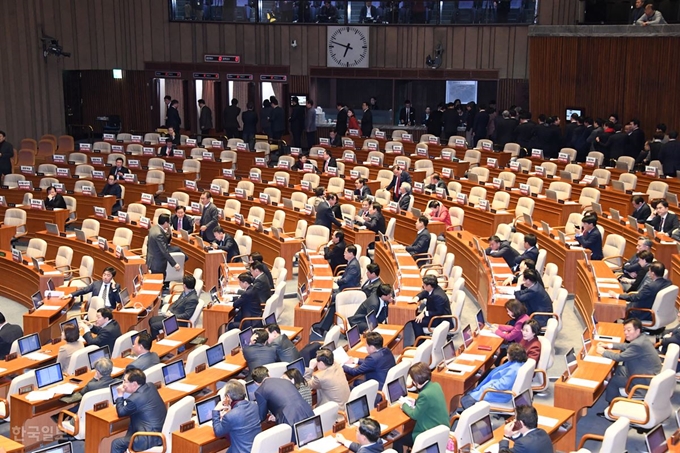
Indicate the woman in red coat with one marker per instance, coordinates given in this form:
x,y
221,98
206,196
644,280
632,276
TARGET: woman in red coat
x,y
530,341
352,120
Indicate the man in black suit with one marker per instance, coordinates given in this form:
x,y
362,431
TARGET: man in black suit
x,y
336,255
434,121
588,235
641,211
378,302
259,352
54,200
366,120
256,257
285,349
183,308
142,350
636,139
450,121
361,189
505,129
8,333
616,145
525,433
118,171
328,161
209,217
372,282
341,122
502,249
524,131
400,176
644,259
335,138
6,155
368,14
367,437
104,327
324,212
632,267
105,288
230,119
480,124
534,296
181,221
205,121
297,121
260,281
174,136
422,242
436,303
146,410
247,303
167,149
376,364
113,188
249,120
277,120
663,220
407,114
644,298
351,278
374,221
158,253
670,154
280,398
173,121
530,250
223,241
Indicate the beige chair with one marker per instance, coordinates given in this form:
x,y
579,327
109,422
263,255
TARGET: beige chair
x,y
178,413
482,173
182,198
346,304
112,158
233,142
562,189
656,190
336,185
192,166
550,168
525,205
256,212
458,141
508,179
364,172
370,143
47,169
501,201
82,276
421,151
135,211
135,149
47,182
438,435
77,158
197,153
78,186
473,156
156,177
12,180
37,248
575,170
229,156
476,194
613,250
313,178
454,187
525,164
247,186
457,217
403,161
597,155
512,148
614,439
389,146
589,195
397,133
316,236
603,176
123,237
348,210
274,194
385,177
90,227
156,163
663,311
76,425
372,155
17,218
522,384
63,259
299,199
629,181
571,152
104,147
482,143
383,197
536,185
628,161
159,212
223,183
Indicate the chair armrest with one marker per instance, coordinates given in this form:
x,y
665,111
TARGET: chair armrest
x,y
545,313
240,326
545,379
453,318
506,392
85,279
353,288
636,376
146,433
76,422
629,401
453,419
431,266
188,323
5,404
424,257
340,321
587,437
613,257
643,310
636,388
233,260
410,348
339,270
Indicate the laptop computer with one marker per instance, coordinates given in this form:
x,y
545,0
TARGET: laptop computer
x,y
416,212
527,219
204,409
396,389
287,203
52,228
29,343
449,351
298,364
566,175
308,431
632,221
597,208
562,236
371,321
672,199
97,354
215,354
545,227
72,321
170,325
551,195
330,346
244,337
481,322
655,440
114,393
80,235
251,387
570,359
37,299
353,336
616,215
481,431
523,399
434,448
617,185
467,336
651,232
173,372
66,447
271,319
357,409
124,296
473,177
48,375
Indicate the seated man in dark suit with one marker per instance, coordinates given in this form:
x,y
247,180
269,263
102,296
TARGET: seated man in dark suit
x,y
285,349
530,250
119,171
632,267
372,279
378,302
101,380
502,249
534,296
247,304
405,198
183,308
104,327
361,190
421,244
645,297
367,437
642,277
590,237
374,221
351,278
336,255
181,221
225,242
328,161
54,200
376,364
525,433
260,281
8,333
257,257
113,188
663,220
167,149
436,182
436,303
259,352
142,350
641,210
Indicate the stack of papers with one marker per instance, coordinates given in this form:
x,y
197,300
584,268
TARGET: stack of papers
x,y
547,421
47,394
182,387
472,357
487,333
385,332
49,307
312,307
323,445
583,382
340,356
598,359
37,356
171,343
226,366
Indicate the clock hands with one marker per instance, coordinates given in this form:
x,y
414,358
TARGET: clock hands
x,y
347,47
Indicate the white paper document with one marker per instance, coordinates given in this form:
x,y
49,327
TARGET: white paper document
x,y
37,356
323,445
182,387
171,343
471,357
385,332
583,382
49,307
226,366
598,359
547,421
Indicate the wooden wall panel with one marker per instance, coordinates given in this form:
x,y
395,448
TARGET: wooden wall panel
x,y
646,77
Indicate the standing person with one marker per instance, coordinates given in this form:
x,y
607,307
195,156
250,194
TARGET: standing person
x,y
237,418
249,120
166,101
265,114
374,103
230,119
479,126
8,333
106,288
173,120
297,121
366,120
434,121
352,122
158,255
310,123
146,410
407,114
209,217
341,122
205,121
6,155
450,122
277,120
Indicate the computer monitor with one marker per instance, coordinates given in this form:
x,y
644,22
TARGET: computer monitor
x,y
480,319
309,430
124,296
170,325
298,364
215,354
251,387
396,389
467,336
656,440
133,338
50,285
357,409
244,337
97,354
52,228
37,299
271,319
330,346
112,388
677,417
29,343
434,448
205,408
48,375
523,399
66,447
72,321
173,372
449,351
353,336
570,359
481,431
371,320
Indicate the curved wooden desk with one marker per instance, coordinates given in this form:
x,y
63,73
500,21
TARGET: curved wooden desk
x,y
315,272
20,281
590,295
36,218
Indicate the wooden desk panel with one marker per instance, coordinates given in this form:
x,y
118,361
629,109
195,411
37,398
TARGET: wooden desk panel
x,y
46,322
36,218
20,281
319,293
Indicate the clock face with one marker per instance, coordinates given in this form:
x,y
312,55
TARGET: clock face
x,y
347,47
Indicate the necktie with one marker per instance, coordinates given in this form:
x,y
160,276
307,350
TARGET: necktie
x,y
179,224
396,186
105,294
663,220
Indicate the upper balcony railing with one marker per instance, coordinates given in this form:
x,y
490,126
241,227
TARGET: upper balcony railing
x,y
446,12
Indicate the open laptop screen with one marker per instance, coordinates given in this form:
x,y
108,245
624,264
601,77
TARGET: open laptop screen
x,y
271,319
98,354
480,319
37,299
244,337
170,325
48,375
353,336
481,431
72,321
133,338
298,364
572,364
396,389
467,336
523,399
215,354
61,448
173,372
112,388
204,409
371,320
251,387
29,343
449,350
357,409
307,431
50,285
434,448
656,440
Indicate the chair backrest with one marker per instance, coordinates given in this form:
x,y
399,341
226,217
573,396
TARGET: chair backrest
x,y
248,186
37,248
657,189
575,170
336,185
64,258
481,172
508,178
438,434
597,155
473,156
271,439
155,177
589,195
476,194
80,359
155,373
191,166
347,302
136,211
229,340
664,306
301,229
658,397
316,236
671,359
123,237
629,180
423,353
501,201
560,301
87,404
47,182
332,335
540,261
256,212
525,164
616,436
329,414
524,377
123,343
457,215
467,417
512,148
397,371
550,168
571,152
196,357
179,413
535,184
368,388
438,340
563,189
156,163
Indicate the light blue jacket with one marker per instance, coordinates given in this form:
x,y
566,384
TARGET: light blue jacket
x,y
500,378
